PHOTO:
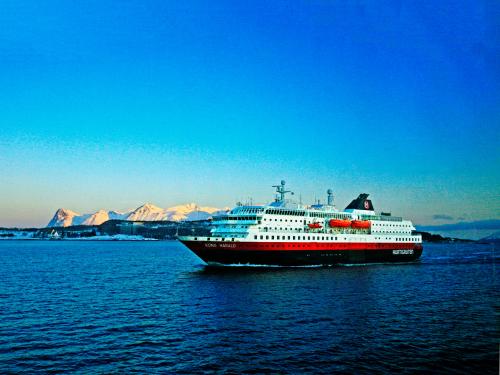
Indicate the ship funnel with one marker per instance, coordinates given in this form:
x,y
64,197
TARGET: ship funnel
x,y
330,197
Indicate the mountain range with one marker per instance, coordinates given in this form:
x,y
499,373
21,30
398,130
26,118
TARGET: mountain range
x,y
147,212
495,237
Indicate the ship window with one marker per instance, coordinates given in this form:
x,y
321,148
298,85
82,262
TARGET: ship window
x,y
267,237
272,237
261,237
254,237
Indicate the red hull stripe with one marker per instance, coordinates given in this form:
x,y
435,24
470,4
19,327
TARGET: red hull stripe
x,y
298,246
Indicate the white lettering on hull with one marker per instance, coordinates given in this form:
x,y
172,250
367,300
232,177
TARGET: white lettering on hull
x,y
402,252
224,245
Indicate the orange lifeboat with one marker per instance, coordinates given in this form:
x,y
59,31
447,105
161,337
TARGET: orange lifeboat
x,y
314,225
361,224
339,223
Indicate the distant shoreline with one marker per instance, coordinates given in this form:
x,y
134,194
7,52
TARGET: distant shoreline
x,y
123,230
437,238
93,234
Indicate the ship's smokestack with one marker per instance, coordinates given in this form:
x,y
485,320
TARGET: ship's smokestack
x,y
330,197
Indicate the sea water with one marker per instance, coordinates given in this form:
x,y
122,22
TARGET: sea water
x,y
152,307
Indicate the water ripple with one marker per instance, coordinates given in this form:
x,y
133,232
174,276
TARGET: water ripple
x,y
152,308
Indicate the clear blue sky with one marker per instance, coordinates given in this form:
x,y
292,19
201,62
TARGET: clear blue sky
x,y
111,104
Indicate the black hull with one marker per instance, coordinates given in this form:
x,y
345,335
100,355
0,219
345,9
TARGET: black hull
x,y
305,258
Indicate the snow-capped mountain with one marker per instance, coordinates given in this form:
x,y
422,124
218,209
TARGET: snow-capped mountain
x,y
495,237
115,215
189,211
147,212
97,218
63,218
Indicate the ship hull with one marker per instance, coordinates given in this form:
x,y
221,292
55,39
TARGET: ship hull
x,y
302,254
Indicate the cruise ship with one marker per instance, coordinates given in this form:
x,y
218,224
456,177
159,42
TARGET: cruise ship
x,y
287,233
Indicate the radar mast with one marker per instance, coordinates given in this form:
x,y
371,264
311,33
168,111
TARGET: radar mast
x,y
280,190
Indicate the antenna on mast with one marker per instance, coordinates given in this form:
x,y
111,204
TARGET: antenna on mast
x,y
280,189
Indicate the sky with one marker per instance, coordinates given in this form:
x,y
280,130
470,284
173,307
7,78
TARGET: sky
x,y
112,104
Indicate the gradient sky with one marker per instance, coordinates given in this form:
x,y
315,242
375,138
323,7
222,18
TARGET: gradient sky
x,y
112,104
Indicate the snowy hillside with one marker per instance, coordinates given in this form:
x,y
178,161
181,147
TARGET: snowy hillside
x,y
63,218
147,212
189,211
495,237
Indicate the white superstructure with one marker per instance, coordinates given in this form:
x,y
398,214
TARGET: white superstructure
x,y
284,220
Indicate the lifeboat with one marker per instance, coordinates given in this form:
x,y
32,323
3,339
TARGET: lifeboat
x,y
314,225
360,224
338,223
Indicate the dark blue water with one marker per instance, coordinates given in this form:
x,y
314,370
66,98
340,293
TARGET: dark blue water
x,y
121,307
